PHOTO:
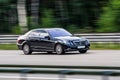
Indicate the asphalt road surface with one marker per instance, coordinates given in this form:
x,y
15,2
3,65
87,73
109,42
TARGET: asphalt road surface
x,y
53,77
91,58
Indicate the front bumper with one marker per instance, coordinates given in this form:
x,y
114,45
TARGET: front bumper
x,y
75,48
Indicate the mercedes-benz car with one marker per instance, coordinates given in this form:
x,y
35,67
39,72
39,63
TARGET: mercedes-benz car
x,y
51,40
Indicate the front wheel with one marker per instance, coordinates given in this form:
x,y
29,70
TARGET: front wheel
x,y
82,51
59,49
26,49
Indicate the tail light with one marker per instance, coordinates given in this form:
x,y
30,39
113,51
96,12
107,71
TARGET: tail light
x,y
18,41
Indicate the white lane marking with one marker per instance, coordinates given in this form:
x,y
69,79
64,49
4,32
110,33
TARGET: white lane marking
x,y
49,78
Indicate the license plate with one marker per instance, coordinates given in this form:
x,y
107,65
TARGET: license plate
x,y
79,47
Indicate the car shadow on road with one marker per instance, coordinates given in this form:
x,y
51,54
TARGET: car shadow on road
x,y
67,53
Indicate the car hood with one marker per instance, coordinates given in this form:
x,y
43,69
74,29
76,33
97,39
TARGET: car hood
x,y
68,38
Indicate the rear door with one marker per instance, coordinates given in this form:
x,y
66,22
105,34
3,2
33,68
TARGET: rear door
x,y
34,40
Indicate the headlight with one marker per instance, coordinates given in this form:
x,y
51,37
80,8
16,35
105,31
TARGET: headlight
x,y
87,41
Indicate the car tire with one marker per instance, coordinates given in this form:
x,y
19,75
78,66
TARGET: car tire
x,y
26,49
82,51
59,49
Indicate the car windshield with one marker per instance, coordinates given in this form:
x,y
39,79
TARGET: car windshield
x,y
58,32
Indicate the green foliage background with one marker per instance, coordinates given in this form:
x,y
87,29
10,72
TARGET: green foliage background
x,y
110,19
74,15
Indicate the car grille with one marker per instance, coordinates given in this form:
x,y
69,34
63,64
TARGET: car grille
x,y
79,43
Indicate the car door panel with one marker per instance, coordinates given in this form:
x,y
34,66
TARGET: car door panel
x,y
47,44
34,42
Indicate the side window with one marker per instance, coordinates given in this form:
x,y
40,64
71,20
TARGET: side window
x,y
34,34
43,35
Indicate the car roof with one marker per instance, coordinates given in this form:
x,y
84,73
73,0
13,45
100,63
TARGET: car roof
x,y
45,29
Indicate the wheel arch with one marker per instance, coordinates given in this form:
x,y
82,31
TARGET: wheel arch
x,y
59,44
25,42
56,45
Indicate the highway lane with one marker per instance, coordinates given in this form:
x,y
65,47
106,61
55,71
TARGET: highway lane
x,y
91,58
50,77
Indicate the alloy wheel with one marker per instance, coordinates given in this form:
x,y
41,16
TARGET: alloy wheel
x,y
59,49
26,49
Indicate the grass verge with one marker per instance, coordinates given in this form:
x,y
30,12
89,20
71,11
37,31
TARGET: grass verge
x,y
105,46
8,47
94,46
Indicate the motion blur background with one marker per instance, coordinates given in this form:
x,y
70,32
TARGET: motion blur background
x,y
94,17
77,16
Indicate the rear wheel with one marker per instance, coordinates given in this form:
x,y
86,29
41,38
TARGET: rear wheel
x,y
26,49
82,51
59,49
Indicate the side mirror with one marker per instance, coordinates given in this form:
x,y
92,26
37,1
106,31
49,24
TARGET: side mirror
x,y
47,37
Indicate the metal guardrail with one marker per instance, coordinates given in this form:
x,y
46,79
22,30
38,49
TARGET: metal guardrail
x,y
58,66
102,37
62,73
8,38
96,37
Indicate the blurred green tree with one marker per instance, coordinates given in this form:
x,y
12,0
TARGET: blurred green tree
x,y
7,19
70,14
48,19
85,14
110,19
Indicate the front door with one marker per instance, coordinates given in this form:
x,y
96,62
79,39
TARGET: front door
x,y
45,42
